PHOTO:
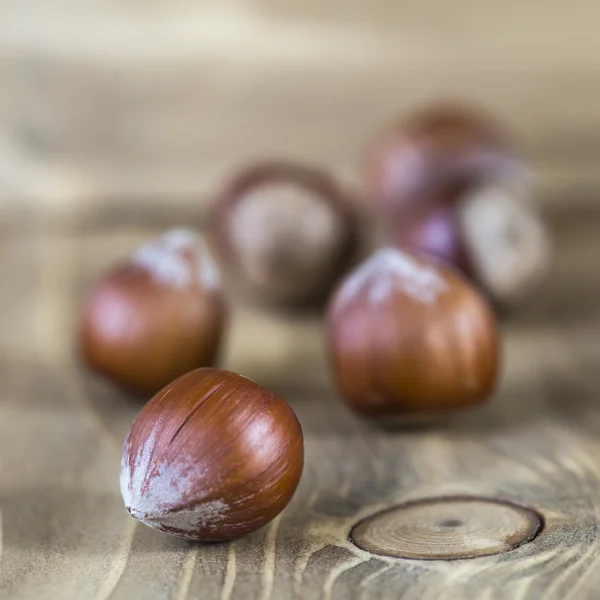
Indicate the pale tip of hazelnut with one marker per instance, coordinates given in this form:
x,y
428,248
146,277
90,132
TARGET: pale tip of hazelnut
x,y
389,270
150,493
287,231
179,258
286,238
507,241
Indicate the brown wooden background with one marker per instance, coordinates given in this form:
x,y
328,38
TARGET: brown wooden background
x,y
119,119
111,107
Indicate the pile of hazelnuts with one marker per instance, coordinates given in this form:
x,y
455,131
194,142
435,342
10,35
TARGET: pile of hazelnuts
x,y
412,330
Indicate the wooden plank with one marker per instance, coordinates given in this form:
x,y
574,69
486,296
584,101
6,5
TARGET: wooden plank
x,y
125,123
65,533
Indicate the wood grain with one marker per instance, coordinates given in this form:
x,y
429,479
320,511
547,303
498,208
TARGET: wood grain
x,y
166,98
65,533
447,528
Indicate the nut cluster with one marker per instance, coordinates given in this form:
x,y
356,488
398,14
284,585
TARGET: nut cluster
x,y
410,331
453,188
435,154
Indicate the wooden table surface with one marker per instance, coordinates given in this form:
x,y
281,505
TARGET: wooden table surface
x,y
66,535
106,105
108,108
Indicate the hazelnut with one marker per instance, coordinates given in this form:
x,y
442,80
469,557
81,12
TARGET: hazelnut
x,y
432,230
507,243
437,153
411,339
155,316
212,457
287,230
492,233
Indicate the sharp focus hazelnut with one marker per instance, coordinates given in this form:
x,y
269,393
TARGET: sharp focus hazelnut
x,y
156,316
411,339
492,233
287,230
212,457
436,153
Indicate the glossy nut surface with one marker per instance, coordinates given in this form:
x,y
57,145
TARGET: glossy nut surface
x,y
212,457
436,154
433,231
508,245
155,316
409,339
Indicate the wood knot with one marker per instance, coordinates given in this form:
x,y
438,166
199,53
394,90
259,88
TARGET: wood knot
x,y
447,529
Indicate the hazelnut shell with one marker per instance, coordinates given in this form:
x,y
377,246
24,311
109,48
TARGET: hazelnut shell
x,y
410,338
155,316
288,277
438,152
434,231
212,457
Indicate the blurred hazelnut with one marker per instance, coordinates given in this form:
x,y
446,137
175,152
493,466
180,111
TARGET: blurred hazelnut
x,y
431,230
410,339
212,457
156,316
287,230
436,153
493,234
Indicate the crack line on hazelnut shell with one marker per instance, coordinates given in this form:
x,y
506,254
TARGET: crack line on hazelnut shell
x,y
199,404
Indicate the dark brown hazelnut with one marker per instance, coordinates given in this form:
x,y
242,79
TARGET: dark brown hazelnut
x,y
492,233
212,457
411,339
436,153
287,230
155,316
432,230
